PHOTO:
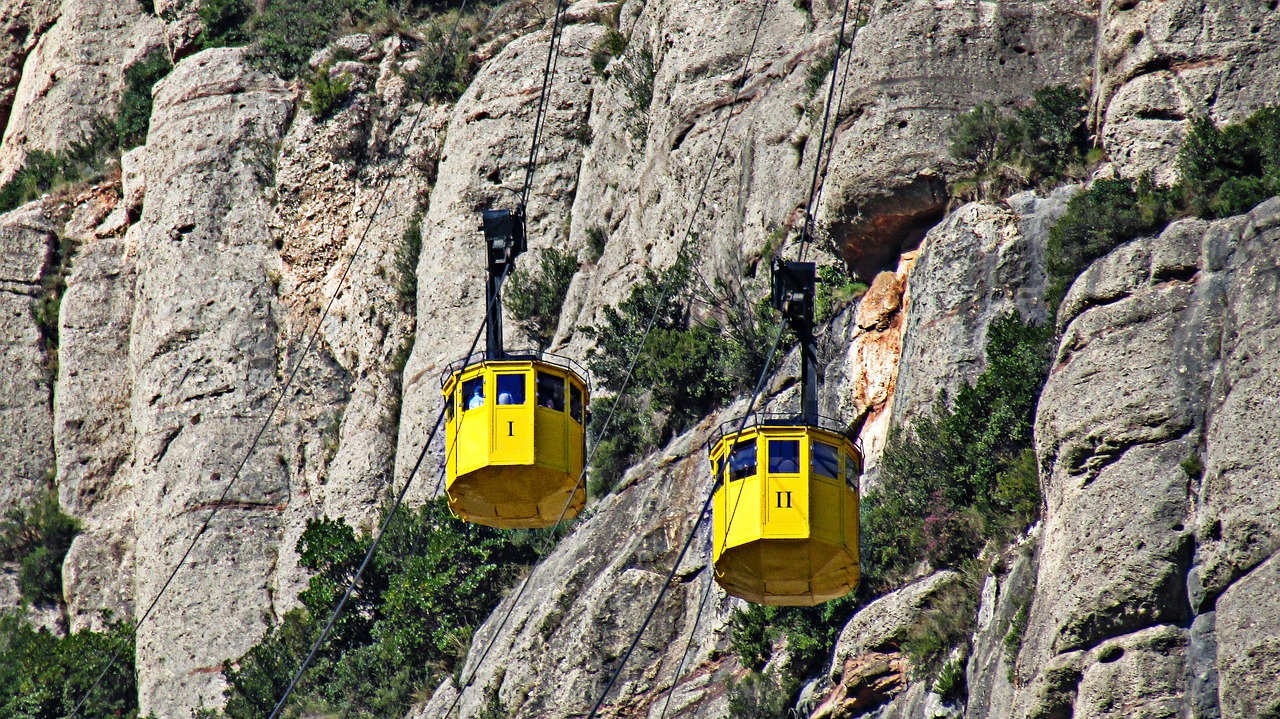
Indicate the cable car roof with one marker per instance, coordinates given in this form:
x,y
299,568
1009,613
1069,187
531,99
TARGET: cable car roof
x,y
520,355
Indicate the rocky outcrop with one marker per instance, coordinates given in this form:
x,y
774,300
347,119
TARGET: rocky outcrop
x,y
204,362
27,249
1161,64
74,76
912,67
1157,409
979,264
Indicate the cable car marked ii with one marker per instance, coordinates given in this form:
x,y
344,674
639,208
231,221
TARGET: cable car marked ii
x,y
785,509
514,422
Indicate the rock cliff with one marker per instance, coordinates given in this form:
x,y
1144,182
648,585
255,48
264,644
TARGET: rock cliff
x,y
190,276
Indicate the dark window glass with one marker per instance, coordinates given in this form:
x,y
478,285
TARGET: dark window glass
x,y
448,406
851,472
511,389
825,460
575,403
784,456
742,463
551,392
473,393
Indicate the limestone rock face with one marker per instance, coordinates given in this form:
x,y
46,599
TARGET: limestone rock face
x,y
23,22
204,361
93,433
981,263
1155,410
1161,64
27,244
74,76
913,66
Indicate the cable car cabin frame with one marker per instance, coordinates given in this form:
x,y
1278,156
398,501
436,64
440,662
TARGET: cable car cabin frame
x,y
785,531
515,457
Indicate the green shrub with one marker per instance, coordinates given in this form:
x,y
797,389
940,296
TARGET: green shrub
x,y
536,295
1230,170
1042,143
324,93
43,676
43,171
818,72
609,46
835,290
1193,466
951,683
940,477
38,537
406,264
637,73
445,68
225,22
433,580
946,623
134,116
597,237
810,632
627,439
762,696
1014,636
1108,214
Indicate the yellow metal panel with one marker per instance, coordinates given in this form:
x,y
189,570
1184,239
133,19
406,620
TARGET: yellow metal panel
x,y
552,440
827,510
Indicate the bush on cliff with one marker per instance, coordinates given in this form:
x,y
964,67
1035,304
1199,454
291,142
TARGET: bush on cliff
x,y
407,625
685,368
43,676
134,116
38,537
945,483
535,294
1037,145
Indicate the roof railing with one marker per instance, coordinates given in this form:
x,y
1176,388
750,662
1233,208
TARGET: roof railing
x,y
782,419
519,355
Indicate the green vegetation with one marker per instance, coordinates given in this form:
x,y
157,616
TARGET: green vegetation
x,y
597,238
766,695
685,369
283,34
134,117
637,73
1038,145
405,628
48,304
1109,213
444,72
834,292
810,632
43,676
610,45
325,93
38,538
818,72
1193,466
946,624
535,296
406,264
1016,633
1225,171
959,477
1230,170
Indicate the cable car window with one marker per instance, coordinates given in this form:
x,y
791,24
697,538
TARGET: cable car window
x,y
575,403
511,389
473,393
784,456
551,392
448,406
825,460
719,471
851,472
742,463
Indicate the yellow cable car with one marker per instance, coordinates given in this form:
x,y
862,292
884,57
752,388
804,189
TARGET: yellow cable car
x,y
515,440
785,509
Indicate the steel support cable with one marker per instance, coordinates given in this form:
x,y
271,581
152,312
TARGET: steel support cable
x,y
715,157
820,186
807,231
693,532
391,513
544,100
274,407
